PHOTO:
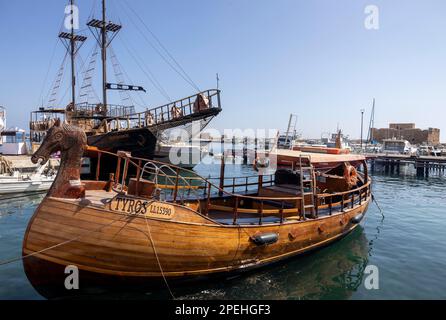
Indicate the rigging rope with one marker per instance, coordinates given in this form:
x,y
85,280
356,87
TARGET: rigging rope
x,y
162,46
148,73
84,93
4,262
119,75
79,70
184,76
377,204
47,73
52,94
157,258
124,75
49,66
143,104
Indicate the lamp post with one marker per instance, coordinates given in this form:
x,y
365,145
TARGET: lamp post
x,y
362,124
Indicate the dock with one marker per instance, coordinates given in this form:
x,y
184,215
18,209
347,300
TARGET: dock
x,y
424,165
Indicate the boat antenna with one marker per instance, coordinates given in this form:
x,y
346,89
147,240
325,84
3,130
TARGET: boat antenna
x,y
218,81
70,40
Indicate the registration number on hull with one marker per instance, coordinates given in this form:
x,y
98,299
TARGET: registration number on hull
x,y
142,207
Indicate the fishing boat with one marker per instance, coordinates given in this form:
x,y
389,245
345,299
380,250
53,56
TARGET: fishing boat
x,y
167,224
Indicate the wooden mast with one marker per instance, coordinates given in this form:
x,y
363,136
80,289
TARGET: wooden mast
x,y
72,47
69,40
104,55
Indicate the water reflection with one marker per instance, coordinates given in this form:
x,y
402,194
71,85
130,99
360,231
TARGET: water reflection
x,y
334,272
16,205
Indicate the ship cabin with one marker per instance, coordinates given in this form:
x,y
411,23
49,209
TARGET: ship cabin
x,y
13,142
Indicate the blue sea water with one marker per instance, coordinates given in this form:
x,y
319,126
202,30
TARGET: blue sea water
x,y
407,245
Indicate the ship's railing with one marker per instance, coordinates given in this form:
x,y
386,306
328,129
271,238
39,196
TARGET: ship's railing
x,y
284,207
179,184
117,117
42,120
98,110
209,99
174,111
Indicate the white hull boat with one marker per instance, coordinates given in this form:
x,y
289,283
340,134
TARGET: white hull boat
x,y
180,154
16,184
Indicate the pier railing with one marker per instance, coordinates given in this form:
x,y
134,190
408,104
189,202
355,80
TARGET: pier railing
x,y
181,185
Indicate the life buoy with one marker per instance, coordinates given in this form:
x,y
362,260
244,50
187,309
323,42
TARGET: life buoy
x,y
350,175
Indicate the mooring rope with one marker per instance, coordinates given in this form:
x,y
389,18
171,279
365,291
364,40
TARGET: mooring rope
x,y
377,205
12,260
157,258
57,245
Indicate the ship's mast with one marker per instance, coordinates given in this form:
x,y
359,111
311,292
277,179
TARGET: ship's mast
x,y
104,55
100,29
70,40
73,71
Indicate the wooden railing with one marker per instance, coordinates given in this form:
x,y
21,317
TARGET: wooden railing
x,y
183,182
244,183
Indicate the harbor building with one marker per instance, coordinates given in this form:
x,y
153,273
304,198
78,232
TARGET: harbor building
x,y
409,132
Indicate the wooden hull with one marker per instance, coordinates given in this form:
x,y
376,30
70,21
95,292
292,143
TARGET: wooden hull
x,y
115,248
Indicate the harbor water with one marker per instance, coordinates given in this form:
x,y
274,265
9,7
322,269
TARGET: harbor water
x,y
407,246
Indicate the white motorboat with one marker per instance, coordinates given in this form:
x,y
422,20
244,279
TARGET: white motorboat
x,y
185,155
16,183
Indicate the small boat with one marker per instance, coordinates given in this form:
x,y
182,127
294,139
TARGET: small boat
x,y
335,145
18,183
167,224
397,146
181,154
428,151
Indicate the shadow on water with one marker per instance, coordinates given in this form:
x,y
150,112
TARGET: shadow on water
x,y
334,272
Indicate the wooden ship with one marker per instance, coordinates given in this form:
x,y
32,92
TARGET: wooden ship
x,y
108,126
168,225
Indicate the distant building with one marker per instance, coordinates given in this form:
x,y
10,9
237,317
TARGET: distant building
x,y
409,132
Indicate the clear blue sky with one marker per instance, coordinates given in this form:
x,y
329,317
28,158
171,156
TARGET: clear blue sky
x,y
313,58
